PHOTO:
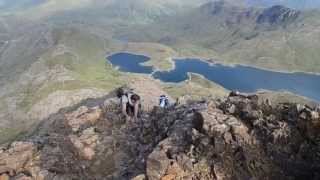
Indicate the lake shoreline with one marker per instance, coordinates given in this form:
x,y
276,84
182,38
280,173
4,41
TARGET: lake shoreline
x,y
233,65
231,77
210,61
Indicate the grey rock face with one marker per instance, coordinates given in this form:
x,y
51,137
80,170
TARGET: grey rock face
x,y
277,15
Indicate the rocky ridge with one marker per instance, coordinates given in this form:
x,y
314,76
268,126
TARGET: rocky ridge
x,y
278,15
239,137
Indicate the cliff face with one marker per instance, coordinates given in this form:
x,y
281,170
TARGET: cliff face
x,y
239,137
277,15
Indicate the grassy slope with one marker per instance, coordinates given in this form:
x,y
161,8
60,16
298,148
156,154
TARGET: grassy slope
x,y
85,61
196,88
50,7
284,97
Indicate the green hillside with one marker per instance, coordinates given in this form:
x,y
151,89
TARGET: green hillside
x,y
232,34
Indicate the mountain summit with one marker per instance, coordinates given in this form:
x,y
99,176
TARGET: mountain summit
x,y
296,4
278,15
239,137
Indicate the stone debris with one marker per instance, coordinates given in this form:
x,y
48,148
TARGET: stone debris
x,y
238,137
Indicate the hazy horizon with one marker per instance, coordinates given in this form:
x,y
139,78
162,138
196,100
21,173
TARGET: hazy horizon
x,y
297,4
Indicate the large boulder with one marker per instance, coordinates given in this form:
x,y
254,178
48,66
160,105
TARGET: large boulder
x,y
83,116
15,158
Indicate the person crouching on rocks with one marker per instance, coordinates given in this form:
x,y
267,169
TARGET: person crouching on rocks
x,y
130,104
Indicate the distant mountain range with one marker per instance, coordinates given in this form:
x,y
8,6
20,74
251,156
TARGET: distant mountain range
x,y
276,37
23,4
298,4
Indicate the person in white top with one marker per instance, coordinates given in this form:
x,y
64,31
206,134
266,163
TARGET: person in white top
x,y
163,101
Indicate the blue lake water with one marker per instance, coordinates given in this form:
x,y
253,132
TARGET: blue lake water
x,y
241,78
127,62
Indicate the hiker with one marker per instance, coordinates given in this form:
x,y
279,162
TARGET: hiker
x,y
163,101
234,93
130,103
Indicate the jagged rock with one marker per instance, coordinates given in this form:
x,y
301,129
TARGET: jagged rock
x,y
16,157
86,143
83,116
239,139
157,164
233,138
278,15
232,109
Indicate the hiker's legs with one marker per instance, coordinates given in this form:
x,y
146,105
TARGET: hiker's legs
x,y
130,110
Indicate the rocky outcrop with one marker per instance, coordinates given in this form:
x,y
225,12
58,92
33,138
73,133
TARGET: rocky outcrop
x,y
240,137
232,14
278,15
